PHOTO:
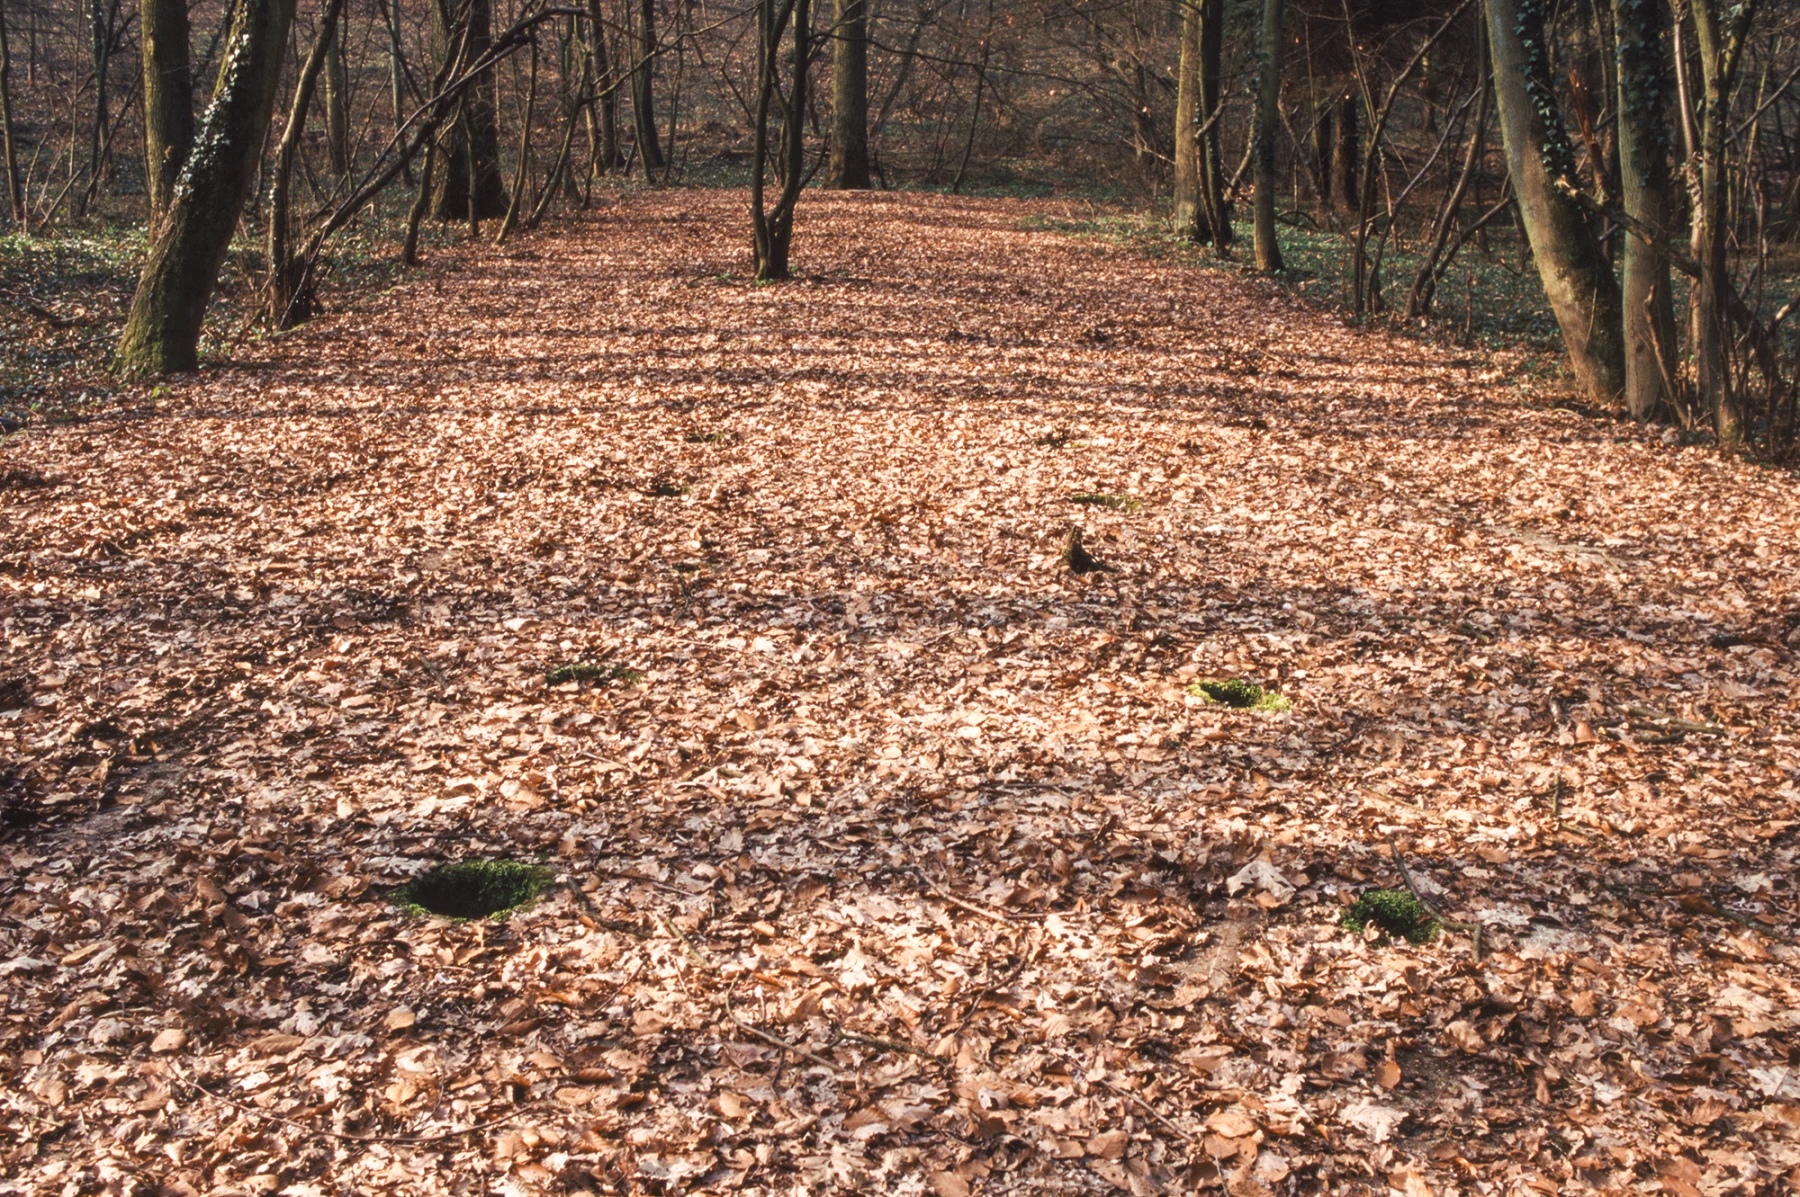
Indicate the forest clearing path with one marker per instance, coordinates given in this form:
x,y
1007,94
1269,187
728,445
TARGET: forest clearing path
x,y
286,635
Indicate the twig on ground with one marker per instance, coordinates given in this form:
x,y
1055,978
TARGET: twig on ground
x,y
996,915
776,1040
1472,930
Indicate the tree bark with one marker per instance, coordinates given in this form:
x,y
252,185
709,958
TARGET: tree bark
x,y
1268,95
1214,208
1345,154
643,106
849,169
288,305
163,330
1577,278
15,193
469,185
337,103
773,230
1643,148
168,99
1187,127
101,28
1709,306
606,85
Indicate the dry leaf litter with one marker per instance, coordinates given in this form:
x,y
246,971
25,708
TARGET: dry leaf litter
x,y
891,855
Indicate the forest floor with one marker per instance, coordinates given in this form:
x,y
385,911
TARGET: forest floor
x,y
890,854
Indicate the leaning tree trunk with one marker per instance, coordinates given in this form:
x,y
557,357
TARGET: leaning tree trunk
x,y
163,330
168,99
469,185
849,169
1268,95
1577,278
1649,313
643,105
15,193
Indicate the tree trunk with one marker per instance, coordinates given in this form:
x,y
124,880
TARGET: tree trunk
x,y
1187,127
1709,304
1577,278
643,107
607,86
1345,154
1649,313
773,230
337,103
1268,95
523,162
849,170
1214,208
15,193
101,28
168,99
469,185
290,298
163,330
1321,148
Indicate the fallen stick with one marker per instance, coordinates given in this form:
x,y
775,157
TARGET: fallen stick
x,y
1472,930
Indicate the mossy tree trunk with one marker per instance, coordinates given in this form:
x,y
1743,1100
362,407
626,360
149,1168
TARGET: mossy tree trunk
x,y
168,99
1577,278
163,330
849,169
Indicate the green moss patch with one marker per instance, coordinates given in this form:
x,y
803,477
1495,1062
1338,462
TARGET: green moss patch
x,y
1113,502
1394,912
1239,694
473,889
591,671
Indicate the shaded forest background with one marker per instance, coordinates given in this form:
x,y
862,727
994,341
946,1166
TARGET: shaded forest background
x,y
1388,178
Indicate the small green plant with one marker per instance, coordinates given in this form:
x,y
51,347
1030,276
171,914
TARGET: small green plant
x,y
473,889
706,438
592,671
1394,912
1113,502
1239,695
